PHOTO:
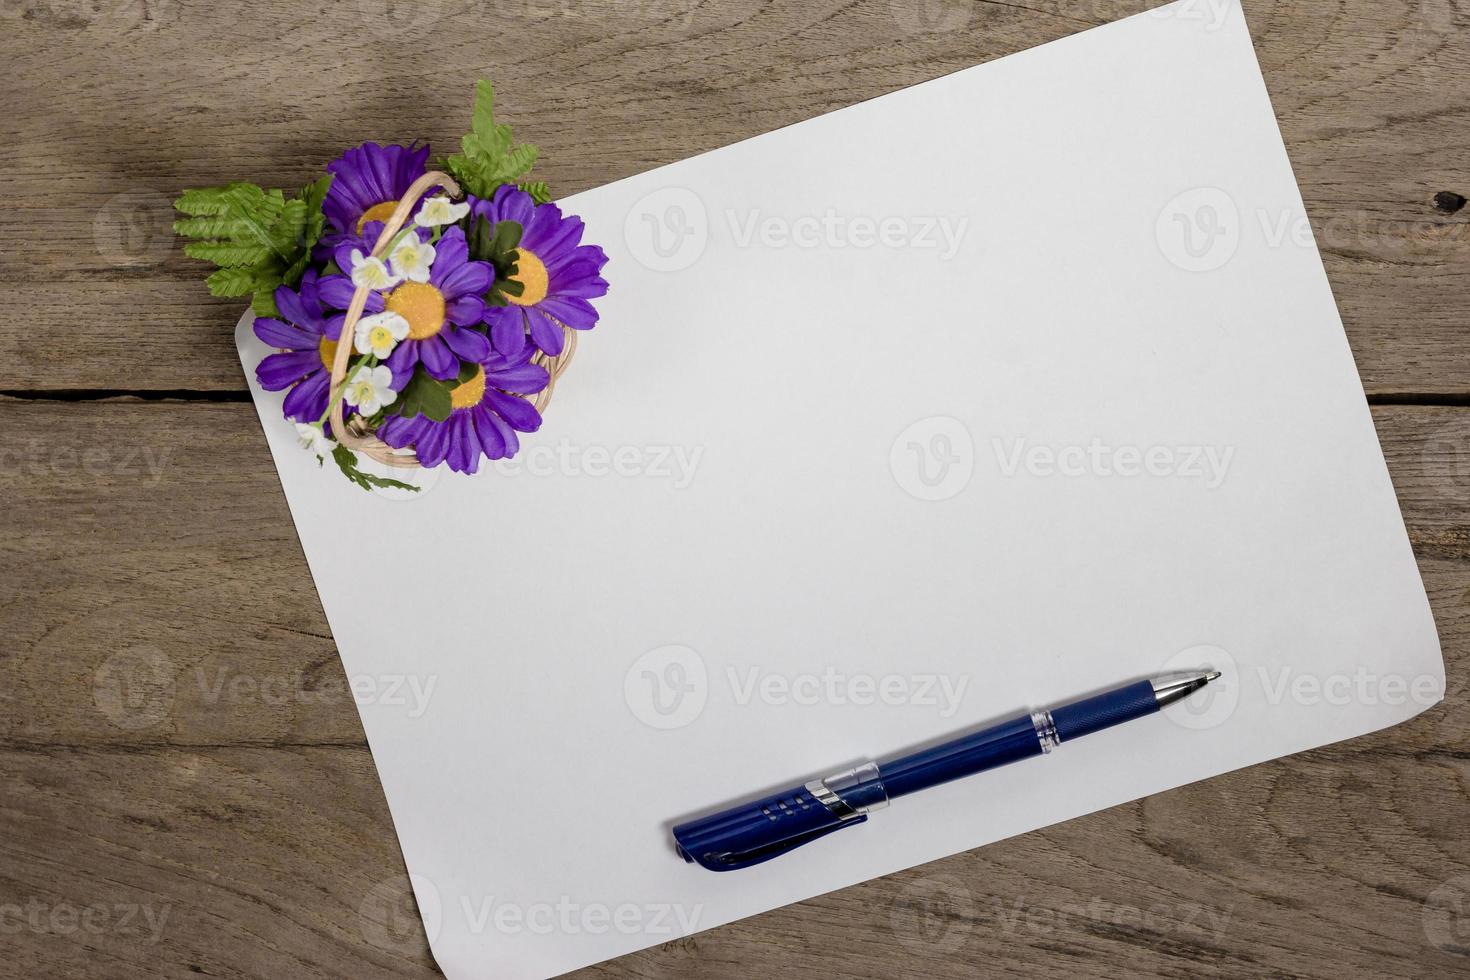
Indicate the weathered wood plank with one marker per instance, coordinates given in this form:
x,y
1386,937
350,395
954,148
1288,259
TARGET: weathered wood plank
x,y
1371,96
149,543
282,862
184,787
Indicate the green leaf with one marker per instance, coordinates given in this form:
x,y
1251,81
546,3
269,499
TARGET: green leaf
x,y
207,202
213,227
259,238
231,282
227,254
497,246
538,190
490,156
346,461
263,303
423,395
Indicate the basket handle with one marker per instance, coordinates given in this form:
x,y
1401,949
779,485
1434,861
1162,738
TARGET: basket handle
x,y
368,444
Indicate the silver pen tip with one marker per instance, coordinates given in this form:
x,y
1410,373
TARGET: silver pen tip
x,y
1175,687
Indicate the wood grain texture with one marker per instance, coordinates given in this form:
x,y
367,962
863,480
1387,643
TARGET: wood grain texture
x,y
184,784
165,94
211,782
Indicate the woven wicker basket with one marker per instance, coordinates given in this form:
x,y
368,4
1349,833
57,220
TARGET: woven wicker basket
x,y
351,434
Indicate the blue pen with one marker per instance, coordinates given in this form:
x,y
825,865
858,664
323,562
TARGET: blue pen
x,y
760,830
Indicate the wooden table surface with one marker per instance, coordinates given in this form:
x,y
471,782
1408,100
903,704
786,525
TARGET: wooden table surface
x,y
184,785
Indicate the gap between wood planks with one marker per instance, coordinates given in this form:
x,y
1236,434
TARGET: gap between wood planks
x,y
1404,398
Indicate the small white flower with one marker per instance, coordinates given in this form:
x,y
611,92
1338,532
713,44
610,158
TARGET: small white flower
x,y
372,272
411,259
313,438
368,389
380,333
440,210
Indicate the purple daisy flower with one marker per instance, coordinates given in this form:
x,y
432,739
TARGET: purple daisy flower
x,y
443,313
307,345
558,275
487,413
367,182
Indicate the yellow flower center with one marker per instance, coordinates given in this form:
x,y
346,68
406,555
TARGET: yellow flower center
x,y
378,212
470,391
531,274
421,305
328,350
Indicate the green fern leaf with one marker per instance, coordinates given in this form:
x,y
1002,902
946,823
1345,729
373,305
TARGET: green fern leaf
x,y
263,303
259,238
211,227
208,202
227,254
231,282
538,190
490,156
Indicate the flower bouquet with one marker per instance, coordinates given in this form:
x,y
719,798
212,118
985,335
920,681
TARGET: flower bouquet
x,y
420,316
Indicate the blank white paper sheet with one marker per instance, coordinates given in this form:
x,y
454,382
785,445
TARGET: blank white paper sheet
x,y
978,397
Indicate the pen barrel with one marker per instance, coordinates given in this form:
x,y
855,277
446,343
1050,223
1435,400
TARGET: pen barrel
x,y
998,745
1104,710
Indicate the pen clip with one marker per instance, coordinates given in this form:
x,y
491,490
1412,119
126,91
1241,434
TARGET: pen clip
x,y
733,860
753,832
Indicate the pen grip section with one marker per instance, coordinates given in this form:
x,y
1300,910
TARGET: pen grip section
x,y
1104,711
998,745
